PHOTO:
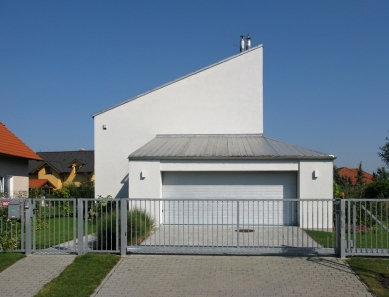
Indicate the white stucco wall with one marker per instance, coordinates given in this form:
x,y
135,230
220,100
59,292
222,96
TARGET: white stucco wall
x,y
226,98
17,168
316,215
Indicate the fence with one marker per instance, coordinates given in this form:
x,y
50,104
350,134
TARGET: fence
x,y
231,226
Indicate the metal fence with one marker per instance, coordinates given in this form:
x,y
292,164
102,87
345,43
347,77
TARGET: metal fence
x,y
342,227
237,226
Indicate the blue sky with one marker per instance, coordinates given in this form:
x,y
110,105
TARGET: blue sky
x,y
326,65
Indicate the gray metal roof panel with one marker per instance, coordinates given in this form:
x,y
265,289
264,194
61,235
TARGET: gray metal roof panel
x,y
253,146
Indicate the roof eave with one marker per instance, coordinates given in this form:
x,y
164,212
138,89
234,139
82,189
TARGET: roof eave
x,y
151,158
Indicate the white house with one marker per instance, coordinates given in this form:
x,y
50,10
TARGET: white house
x,y
201,136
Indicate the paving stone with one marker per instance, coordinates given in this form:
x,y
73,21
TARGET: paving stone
x,y
161,275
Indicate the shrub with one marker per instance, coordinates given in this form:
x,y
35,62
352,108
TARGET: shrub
x,y
378,189
139,226
9,231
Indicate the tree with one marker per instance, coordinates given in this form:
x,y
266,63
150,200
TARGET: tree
x,y
360,175
381,174
384,154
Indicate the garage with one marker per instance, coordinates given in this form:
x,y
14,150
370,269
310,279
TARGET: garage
x,y
224,198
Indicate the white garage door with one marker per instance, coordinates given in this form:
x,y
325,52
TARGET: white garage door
x,y
210,188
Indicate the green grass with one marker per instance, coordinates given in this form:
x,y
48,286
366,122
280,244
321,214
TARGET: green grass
x,y
325,239
7,259
371,271
378,238
82,277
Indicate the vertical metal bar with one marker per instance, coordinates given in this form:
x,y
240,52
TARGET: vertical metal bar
x,y
85,220
28,228
123,226
74,223
80,229
237,219
33,230
342,239
23,222
348,224
354,226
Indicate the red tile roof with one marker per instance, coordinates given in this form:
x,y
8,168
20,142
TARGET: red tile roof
x,y
352,174
38,183
11,145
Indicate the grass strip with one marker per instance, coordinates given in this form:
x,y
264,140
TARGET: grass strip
x,y
374,272
7,259
82,277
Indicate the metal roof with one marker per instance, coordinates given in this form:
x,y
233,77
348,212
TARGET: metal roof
x,y
178,79
225,146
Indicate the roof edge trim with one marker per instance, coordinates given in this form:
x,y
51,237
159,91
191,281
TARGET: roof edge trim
x,y
130,158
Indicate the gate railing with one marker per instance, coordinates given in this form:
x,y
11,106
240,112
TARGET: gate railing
x,y
366,225
249,226
254,226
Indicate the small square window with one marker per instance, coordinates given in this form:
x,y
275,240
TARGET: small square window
x,y
48,170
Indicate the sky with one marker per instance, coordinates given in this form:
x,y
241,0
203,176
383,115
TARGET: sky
x,y
326,65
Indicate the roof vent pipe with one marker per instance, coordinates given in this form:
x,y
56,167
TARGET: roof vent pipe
x,y
248,44
241,43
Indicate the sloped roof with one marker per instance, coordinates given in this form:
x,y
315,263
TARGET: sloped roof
x,y
178,79
352,174
11,145
62,161
39,183
238,146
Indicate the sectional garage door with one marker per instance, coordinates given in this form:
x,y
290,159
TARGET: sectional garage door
x,y
253,198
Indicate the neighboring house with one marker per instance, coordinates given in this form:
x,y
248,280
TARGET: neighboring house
x,y
350,174
14,157
201,136
43,185
59,168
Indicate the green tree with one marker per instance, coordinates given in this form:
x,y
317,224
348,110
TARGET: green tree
x,y
381,174
384,153
360,175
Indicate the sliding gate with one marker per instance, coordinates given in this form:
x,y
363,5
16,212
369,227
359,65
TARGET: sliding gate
x,y
236,226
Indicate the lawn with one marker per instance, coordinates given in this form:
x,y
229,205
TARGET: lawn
x,y
377,238
7,259
82,277
374,272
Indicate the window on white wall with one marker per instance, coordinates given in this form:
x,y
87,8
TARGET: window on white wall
x,y
6,186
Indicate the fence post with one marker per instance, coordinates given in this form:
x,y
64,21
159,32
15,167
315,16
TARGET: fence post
x,y
26,205
237,220
80,212
123,226
342,239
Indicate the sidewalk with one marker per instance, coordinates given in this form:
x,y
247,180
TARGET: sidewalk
x,y
27,276
157,275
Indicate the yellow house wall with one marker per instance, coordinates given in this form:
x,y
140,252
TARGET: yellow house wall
x,y
58,180
54,178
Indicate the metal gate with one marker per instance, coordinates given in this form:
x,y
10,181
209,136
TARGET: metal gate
x,y
237,226
58,226
345,227
364,227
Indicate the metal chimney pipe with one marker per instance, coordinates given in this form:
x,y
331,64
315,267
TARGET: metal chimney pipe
x,y
241,43
248,39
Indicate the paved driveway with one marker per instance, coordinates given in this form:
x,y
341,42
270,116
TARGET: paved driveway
x,y
226,236
161,275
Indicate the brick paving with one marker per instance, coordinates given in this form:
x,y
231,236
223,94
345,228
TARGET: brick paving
x,y
161,275
27,276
